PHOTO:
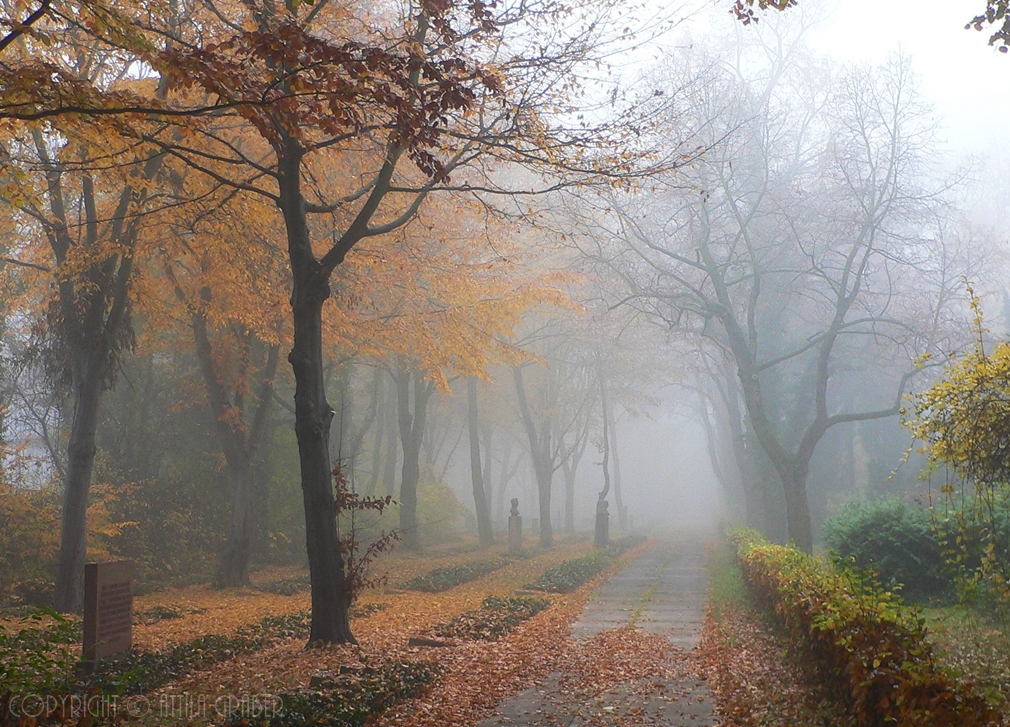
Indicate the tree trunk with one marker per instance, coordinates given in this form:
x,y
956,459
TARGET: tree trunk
x,y
545,473
392,450
234,569
622,511
476,474
542,455
794,481
310,289
239,441
379,403
69,595
486,474
569,469
411,437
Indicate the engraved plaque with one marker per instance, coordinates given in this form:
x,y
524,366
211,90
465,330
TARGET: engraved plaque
x,y
108,609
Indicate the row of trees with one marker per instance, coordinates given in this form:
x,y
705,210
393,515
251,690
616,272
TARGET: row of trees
x,y
184,171
811,260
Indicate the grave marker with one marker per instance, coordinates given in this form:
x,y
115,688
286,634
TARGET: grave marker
x,y
108,610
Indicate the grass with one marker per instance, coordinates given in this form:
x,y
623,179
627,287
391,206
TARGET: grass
x,y
727,589
976,646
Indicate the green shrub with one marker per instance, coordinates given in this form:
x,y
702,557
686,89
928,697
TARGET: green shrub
x,y
894,540
142,671
355,696
624,543
863,640
496,617
571,574
442,579
38,655
286,586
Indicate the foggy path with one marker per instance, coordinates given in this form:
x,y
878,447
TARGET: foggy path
x,y
663,593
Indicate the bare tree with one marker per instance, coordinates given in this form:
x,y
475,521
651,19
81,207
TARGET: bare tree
x,y
805,245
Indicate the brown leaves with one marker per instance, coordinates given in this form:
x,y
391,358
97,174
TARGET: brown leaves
x,y
288,82
743,662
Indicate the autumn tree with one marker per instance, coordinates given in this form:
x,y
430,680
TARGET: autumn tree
x,y
215,270
450,306
962,420
399,102
80,195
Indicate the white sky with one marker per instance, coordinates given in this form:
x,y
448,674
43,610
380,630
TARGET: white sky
x,y
967,80
962,77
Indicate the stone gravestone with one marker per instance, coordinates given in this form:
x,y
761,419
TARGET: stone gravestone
x,y
108,611
515,529
602,535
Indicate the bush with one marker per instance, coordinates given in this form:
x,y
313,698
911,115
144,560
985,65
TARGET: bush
x,y
870,648
571,574
29,541
37,656
355,696
894,540
496,617
442,579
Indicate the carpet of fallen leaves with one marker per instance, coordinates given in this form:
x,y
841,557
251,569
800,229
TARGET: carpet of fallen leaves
x,y
481,674
477,675
754,682
976,645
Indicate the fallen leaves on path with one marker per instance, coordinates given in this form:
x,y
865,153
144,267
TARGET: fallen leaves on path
x,y
478,674
752,681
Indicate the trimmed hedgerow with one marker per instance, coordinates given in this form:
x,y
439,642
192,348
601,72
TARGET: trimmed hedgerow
x,y
442,579
354,697
497,616
868,645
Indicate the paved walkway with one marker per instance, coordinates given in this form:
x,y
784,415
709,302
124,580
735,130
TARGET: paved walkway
x,y
663,593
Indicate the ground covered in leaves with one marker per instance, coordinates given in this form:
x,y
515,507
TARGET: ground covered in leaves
x,y
205,656
755,680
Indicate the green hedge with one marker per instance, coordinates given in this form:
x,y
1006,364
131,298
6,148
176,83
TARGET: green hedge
x,y
870,647
571,574
354,699
496,617
442,579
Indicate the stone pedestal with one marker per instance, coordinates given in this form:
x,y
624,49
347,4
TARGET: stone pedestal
x,y
515,534
108,611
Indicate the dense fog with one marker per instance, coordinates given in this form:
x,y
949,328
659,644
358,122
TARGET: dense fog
x,y
710,312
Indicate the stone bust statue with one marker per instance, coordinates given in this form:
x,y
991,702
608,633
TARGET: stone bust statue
x,y
515,507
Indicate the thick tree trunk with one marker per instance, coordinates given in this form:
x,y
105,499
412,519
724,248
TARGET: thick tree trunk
x,y
234,569
69,595
476,473
313,414
794,481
